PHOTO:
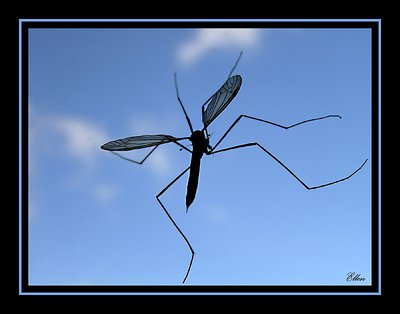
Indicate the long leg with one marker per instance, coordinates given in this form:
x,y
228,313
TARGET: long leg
x,y
174,223
269,122
236,63
145,157
284,166
131,160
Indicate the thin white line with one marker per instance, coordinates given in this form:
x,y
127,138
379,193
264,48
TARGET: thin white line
x,y
200,20
20,159
380,159
204,293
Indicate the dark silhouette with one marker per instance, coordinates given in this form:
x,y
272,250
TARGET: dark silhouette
x,y
201,144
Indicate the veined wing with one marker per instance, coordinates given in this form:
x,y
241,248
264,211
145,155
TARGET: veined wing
x,y
221,99
138,142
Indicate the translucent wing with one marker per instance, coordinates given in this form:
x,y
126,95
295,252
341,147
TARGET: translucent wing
x,y
221,99
138,142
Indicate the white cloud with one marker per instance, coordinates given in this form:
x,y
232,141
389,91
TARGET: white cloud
x,y
207,39
217,214
82,138
160,162
74,136
104,193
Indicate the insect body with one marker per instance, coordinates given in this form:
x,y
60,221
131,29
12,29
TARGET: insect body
x,y
200,146
200,140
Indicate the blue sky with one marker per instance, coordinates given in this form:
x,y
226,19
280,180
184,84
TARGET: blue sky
x,y
94,218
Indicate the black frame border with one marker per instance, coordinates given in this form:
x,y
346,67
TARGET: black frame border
x,y
375,288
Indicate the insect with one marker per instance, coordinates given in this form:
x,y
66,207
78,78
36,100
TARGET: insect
x,y
200,140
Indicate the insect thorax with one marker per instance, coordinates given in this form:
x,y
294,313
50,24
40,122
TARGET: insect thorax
x,y
200,142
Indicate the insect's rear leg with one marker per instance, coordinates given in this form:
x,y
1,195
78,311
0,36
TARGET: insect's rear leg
x,y
174,223
287,168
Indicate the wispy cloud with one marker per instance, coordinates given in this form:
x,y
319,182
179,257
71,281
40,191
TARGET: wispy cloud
x,y
217,214
104,193
82,138
161,160
206,39
64,139
76,137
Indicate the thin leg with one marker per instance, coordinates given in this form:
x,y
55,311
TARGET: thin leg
x,y
180,102
234,67
145,157
131,160
174,223
284,166
272,123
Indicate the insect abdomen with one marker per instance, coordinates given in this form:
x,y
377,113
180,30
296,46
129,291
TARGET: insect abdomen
x,y
193,179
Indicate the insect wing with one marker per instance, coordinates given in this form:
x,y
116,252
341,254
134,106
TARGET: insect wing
x,y
221,99
138,142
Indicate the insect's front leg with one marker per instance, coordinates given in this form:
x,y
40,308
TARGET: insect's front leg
x,y
286,127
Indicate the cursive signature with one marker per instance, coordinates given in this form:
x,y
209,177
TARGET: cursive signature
x,y
353,276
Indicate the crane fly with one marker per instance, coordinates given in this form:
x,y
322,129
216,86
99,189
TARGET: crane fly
x,y
200,140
